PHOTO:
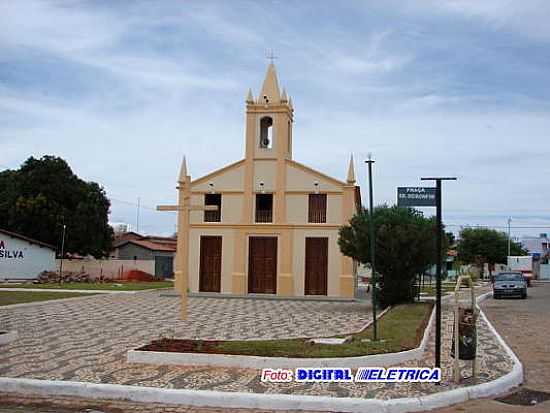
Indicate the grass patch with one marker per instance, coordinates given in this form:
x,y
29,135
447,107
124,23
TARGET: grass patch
x,y
432,290
401,328
19,297
111,286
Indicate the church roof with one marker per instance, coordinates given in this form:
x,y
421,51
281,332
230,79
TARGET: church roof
x,y
270,87
183,170
351,171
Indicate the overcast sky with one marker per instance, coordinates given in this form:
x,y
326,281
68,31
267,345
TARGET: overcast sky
x,y
122,90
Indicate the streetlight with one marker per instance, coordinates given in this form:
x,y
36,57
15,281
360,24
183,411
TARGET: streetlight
x,y
369,162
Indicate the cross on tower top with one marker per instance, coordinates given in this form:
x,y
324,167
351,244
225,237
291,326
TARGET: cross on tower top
x,y
271,56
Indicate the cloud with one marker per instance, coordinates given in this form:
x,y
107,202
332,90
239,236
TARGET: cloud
x,y
527,17
59,27
372,57
122,90
356,65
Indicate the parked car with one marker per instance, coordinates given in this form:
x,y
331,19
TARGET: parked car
x,y
509,284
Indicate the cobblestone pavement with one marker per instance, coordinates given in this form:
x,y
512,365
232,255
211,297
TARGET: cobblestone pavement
x,y
86,340
149,315
525,325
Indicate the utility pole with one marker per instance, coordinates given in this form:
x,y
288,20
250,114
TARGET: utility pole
x,y
509,236
137,214
438,247
62,254
372,242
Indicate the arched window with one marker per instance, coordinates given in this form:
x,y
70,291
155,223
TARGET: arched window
x,y
266,132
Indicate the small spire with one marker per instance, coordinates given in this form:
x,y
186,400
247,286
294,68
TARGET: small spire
x,y
183,170
270,90
351,171
284,97
290,102
250,97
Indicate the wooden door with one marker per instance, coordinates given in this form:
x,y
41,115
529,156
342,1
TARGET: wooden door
x,y
316,266
262,265
210,271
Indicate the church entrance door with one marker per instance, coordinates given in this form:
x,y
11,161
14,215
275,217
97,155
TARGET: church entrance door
x,y
262,265
316,266
210,270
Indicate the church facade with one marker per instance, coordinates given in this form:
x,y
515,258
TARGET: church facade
x,y
271,224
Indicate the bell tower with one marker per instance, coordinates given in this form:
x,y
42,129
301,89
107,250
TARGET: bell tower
x,y
269,120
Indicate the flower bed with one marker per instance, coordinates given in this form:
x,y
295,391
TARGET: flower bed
x,y
401,328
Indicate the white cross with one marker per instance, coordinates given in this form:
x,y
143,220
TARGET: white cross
x,y
271,56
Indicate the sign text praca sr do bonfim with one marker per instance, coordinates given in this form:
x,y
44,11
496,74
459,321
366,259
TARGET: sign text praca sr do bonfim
x,y
416,197
430,197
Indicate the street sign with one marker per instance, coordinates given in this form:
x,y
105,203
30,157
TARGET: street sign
x,y
416,197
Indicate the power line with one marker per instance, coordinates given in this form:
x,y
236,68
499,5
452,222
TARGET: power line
x,y
140,205
499,226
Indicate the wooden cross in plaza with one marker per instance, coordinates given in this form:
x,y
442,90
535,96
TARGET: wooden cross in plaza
x,y
183,208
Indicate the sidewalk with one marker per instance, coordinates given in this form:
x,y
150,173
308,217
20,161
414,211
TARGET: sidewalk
x,y
525,325
60,342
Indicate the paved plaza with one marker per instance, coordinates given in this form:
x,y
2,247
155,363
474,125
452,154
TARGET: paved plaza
x,y
117,319
87,340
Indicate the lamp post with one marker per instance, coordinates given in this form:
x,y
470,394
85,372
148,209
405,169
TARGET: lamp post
x,y
369,162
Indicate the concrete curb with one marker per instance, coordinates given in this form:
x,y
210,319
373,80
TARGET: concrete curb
x,y
41,290
46,302
257,362
202,398
8,337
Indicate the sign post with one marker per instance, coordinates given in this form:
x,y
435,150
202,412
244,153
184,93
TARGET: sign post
x,y
429,197
438,244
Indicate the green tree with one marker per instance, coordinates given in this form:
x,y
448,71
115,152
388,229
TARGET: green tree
x,y
41,196
480,246
404,248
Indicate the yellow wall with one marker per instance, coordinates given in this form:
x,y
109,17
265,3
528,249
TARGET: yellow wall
x,y
300,180
334,209
231,179
265,171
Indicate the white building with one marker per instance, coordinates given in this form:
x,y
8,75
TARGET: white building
x,y
537,245
24,258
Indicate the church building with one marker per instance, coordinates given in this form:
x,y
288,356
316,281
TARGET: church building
x,y
266,224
